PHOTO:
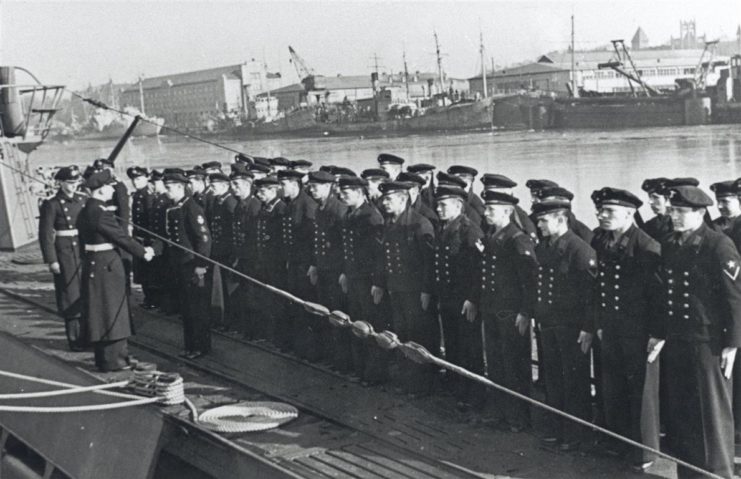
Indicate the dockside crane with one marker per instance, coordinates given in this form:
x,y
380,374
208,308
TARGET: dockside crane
x,y
704,66
303,70
634,75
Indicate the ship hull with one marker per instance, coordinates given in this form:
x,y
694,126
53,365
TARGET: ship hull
x,y
115,131
629,112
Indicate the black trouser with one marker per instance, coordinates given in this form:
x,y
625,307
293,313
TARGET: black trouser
x,y
509,362
700,419
111,355
630,389
566,379
193,300
463,347
411,323
330,342
269,320
369,360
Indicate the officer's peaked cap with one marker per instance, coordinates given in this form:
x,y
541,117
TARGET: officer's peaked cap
x,y
280,161
301,164
655,185
67,173
411,178
321,177
446,178
445,192
389,158
498,198
374,173
535,185
175,178
99,179
555,192
420,167
462,170
540,209
352,182
290,175
497,181
216,177
136,171
394,187
268,181
615,196
725,188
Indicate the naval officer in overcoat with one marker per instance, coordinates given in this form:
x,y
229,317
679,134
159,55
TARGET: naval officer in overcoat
x,y
703,331
60,248
104,291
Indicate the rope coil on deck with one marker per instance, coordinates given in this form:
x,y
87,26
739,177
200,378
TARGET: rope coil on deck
x,y
247,417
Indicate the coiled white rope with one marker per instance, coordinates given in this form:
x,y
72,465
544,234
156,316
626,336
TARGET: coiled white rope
x,y
247,417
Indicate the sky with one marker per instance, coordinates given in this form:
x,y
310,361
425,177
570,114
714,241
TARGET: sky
x,y
77,43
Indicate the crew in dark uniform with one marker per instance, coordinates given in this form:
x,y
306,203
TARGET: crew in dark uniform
x,y
408,243
297,327
415,199
104,286
426,171
270,259
361,231
565,280
326,267
456,256
374,177
187,227
703,331
468,174
560,194
243,254
628,310
209,168
660,226
60,248
391,164
520,218
446,179
160,286
119,203
504,294
222,285
141,205
729,221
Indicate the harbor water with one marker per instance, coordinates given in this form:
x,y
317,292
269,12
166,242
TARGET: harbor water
x,y
581,161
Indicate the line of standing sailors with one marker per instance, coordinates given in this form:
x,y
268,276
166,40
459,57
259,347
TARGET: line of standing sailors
x,y
465,276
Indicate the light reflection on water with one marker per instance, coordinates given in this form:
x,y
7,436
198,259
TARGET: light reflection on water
x,y
578,160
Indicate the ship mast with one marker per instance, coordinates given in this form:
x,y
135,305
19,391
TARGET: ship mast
x,y
141,95
439,63
574,89
406,72
483,60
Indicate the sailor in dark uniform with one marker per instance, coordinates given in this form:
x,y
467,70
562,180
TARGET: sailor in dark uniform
x,y
220,225
565,279
415,199
197,178
159,283
628,309
520,218
426,171
243,254
187,227
408,243
456,255
298,230
141,205
209,168
119,204
505,293
391,164
703,331
60,248
560,194
326,267
361,231
468,174
660,226
104,286
729,221
270,259
374,177
446,179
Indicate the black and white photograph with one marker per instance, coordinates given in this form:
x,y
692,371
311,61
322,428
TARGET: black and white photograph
x,y
370,239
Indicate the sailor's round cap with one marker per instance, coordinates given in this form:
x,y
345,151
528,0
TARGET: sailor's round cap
x,y
390,187
491,180
416,180
689,196
67,173
491,197
447,192
462,170
420,167
448,179
321,177
374,173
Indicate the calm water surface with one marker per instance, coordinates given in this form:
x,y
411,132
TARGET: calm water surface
x,y
581,161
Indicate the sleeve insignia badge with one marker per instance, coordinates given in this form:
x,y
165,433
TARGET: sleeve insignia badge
x,y
200,220
480,246
731,269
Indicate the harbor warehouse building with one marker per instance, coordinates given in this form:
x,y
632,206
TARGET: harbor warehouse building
x,y
658,66
191,99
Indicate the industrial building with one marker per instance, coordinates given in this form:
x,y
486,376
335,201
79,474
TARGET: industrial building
x,y
197,99
658,66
